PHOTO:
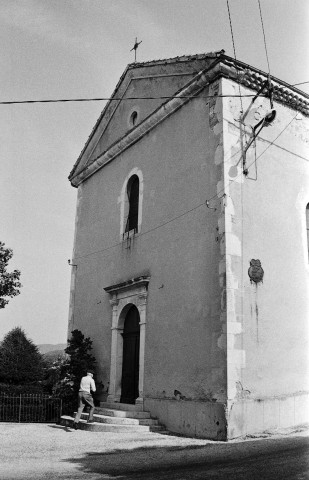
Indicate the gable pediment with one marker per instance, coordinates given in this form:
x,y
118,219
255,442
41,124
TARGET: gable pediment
x,y
157,81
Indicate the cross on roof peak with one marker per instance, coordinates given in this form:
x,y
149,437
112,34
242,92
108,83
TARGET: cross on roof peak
x,y
135,47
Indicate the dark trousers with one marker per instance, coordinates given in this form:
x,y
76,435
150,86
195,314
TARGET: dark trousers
x,y
84,399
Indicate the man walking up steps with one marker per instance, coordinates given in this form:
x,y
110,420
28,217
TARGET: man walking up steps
x,y
85,398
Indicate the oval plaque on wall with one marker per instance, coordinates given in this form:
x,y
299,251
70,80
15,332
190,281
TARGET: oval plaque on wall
x,y
256,272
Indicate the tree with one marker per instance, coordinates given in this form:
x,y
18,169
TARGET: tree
x,y
78,350
64,374
9,282
20,360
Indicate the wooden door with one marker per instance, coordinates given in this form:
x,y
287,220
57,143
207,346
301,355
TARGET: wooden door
x,y
130,359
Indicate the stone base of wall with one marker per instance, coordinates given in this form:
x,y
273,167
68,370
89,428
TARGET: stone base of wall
x,y
191,418
246,416
256,416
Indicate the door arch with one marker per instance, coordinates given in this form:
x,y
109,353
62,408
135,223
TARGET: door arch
x,y
130,356
122,297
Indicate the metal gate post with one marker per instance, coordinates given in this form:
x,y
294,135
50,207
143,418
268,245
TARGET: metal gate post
x,y
19,413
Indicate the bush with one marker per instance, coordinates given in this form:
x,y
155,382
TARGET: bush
x,y
21,389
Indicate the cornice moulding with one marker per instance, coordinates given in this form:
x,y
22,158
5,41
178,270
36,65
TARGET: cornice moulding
x,y
139,282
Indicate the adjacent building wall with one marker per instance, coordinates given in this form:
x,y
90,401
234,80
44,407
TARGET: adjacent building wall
x,y
267,320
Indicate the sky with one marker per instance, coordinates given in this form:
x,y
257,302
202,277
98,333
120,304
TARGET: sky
x,y
56,49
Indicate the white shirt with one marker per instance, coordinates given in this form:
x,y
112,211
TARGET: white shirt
x,y
86,384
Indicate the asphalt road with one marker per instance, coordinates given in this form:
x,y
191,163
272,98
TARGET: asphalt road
x,y
41,451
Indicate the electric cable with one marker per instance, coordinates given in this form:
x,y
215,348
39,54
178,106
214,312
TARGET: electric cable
x,y
255,160
243,135
301,83
99,99
117,99
142,233
265,45
231,27
192,209
234,49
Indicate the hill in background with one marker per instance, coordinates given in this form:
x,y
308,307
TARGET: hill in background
x,y
49,347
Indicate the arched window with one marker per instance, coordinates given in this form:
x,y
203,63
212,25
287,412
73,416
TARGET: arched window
x,y
131,204
133,199
133,118
307,226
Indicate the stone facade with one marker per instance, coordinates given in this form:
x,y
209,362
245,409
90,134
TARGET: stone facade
x,y
222,351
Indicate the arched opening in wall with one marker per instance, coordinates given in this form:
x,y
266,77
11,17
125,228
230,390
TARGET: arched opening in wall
x,y
133,118
307,227
133,199
130,358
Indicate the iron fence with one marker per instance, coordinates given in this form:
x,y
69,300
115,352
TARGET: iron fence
x,y
30,408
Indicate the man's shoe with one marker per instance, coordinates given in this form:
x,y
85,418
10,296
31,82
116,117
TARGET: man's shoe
x,y
75,426
90,421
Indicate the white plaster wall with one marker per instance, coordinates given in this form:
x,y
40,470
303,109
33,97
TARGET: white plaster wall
x,y
267,323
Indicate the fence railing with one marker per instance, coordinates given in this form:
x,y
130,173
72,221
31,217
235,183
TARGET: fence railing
x,y
30,408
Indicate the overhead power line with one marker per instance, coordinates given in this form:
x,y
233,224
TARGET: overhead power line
x,y
99,99
231,27
302,83
234,49
78,257
141,233
118,99
255,160
265,45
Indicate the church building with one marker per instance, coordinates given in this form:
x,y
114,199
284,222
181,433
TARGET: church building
x,y
190,261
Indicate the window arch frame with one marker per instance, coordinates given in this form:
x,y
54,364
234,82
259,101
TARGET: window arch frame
x,y
133,200
124,202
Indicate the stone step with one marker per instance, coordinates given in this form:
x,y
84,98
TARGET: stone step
x,y
66,420
121,413
120,420
122,406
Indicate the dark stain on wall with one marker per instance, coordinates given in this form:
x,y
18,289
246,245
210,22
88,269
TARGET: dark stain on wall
x,y
257,321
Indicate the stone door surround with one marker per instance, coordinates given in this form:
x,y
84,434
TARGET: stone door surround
x,y
122,297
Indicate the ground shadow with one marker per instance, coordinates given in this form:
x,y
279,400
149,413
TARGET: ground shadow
x,y
255,459
62,427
